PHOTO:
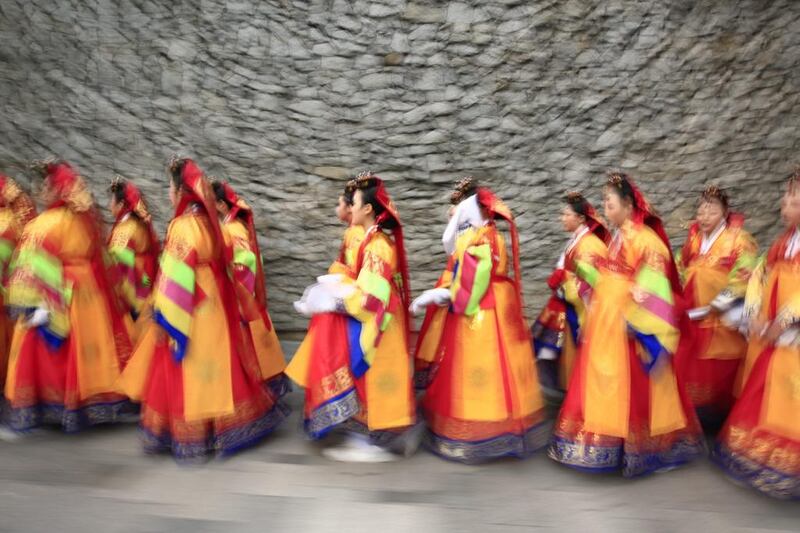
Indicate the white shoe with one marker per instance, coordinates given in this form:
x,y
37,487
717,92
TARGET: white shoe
x,y
9,435
360,454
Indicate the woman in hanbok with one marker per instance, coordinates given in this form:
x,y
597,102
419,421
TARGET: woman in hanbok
x,y
715,264
556,332
239,229
759,445
197,379
71,340
354,361
624,410
133,246
482,399
353,235
16,210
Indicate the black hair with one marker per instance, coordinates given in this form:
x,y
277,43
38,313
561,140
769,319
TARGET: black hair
x,y
176,173
219,192
118,190
369,196
620,183
715,194
465,187
577,203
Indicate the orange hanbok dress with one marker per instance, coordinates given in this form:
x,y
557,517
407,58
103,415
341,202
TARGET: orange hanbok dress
x,y
760,442
355,365
64,371
482,399
624,410
198,381
710,353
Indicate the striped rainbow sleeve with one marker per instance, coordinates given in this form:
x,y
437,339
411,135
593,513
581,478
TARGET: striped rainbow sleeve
x,y
473,276
37,280
654,319
371,306
176,296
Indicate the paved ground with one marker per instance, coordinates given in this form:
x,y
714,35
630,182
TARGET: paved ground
x,y
99,481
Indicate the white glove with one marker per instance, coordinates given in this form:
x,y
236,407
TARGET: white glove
x,y
790,337
440,297
699,313
323,297
39,317
733,318
330,279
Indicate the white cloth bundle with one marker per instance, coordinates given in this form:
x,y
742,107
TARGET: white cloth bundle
x,y
440,297
325,296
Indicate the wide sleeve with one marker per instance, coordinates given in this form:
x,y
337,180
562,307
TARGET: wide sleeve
x,y
373,302
743,260
578,285
122,250
245,262
36,279
651,312
473,275
177,293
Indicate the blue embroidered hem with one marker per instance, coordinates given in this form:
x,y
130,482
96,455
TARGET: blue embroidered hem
x,y
23,419
505,445
224,444
332,413
769,481
632,463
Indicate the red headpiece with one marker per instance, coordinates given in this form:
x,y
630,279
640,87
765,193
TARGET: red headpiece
x,y
593,220
197,190
497,209
240,207
368,179
69,188
643,213
134,203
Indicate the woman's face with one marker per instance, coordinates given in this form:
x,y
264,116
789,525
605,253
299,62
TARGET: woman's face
x,y
360,212
617,210
570,219
790,209
710,215
343,211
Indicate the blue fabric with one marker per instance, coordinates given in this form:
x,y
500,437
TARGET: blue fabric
x,y
181,341
651,345
53,341
358,365
572,320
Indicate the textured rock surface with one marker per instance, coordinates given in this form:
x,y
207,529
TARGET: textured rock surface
x,y
289,97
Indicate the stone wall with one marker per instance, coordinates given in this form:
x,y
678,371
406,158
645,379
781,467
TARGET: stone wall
x,y
287,98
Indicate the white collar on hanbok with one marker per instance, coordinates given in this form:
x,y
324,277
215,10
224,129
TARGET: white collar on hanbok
x,y
708,240
794,245
577,235
467,214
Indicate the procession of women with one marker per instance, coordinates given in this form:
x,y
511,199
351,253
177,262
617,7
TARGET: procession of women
x,y
656,358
